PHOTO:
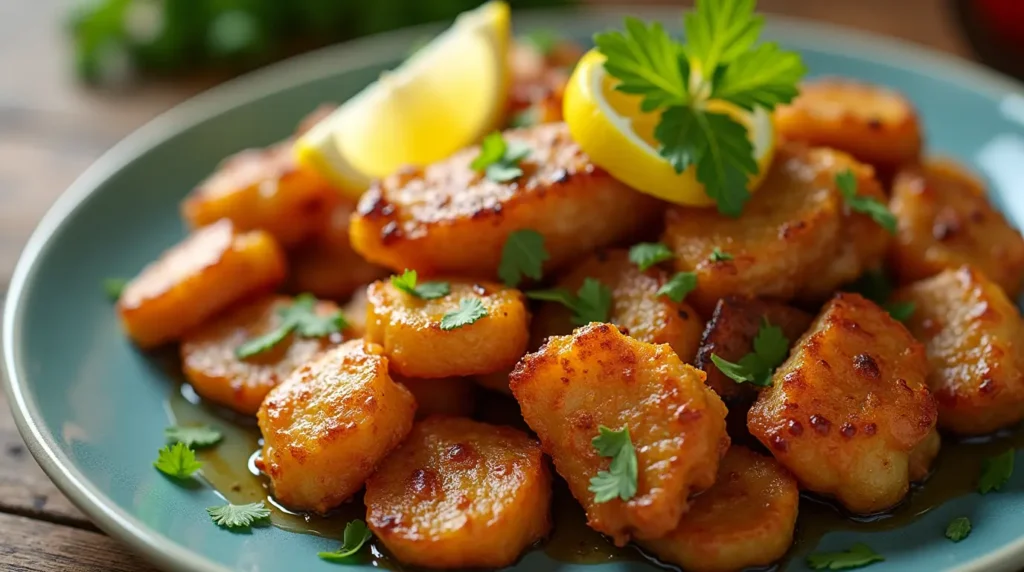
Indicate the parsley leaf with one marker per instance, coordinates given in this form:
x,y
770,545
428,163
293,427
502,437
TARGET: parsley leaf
x,y
958,529
591,303
678,286
177,461
718,145
523,255
877,210
196,436
300,317
356,535
620,478
544,41
470,310
239,515
718,256
764,76
770,349
406,282
900,311
647,254
720,31
647,62
858,555
996,471
113,287
500,160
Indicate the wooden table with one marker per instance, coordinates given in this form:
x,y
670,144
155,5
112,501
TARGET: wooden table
x,y
50,130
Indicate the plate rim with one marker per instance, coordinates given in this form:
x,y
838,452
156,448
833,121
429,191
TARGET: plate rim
x,y
165,552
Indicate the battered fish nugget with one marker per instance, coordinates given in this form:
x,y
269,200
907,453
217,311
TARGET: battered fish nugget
x,y
945,220
974,339
410,330
328,425
448,219
211,364
873,123
745,520
597,377
788,232
211,269
849,406
460,494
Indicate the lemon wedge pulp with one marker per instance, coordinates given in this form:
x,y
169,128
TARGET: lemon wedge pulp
x,y
443,98
610,127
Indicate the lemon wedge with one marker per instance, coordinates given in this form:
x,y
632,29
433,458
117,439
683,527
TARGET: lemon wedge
x,y
610,127
443,98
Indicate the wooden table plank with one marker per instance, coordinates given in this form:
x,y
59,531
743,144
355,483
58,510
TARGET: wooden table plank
x,y
28,545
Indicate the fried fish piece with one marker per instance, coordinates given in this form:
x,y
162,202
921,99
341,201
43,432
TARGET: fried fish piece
x,y
945,220
850,405
211,269
448,219
409,329
328,425
873,123
786,234
974,338
460,494
597,377
746,519
210,362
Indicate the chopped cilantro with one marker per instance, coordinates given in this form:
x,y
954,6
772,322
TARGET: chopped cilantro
x,y
406,282
193,436
857,556
718,256
469,311
356,535
770,349
114,287
996,471
178,461
874,208
958,529
620,480
523,255
591,303
647,254
500,160
239,515
678,286
300,317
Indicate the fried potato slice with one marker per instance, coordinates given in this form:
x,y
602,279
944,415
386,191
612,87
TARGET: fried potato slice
x,y
974,339
449,219
787,232
209,270
454,396
730,335
460,494
598,376
409,328
922,456
862,242
875,124
326,266
746,519
328,425
209,361
849,406
945,221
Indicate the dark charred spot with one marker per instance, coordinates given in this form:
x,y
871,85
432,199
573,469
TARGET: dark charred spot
x,y
976,216
870,429
795,428
564,380
824,364
946,225
902,384
865,365
779,444
390,232
312,206
684,314
848,430
583,421
821,424
601,255
788,229
424,482
236,487
875,124
461,453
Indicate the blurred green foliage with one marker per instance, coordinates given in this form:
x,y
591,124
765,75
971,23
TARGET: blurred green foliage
x,y
115,40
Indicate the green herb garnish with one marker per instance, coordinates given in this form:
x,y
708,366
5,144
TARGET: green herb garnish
x,y
523,255
718,256
857,556
356,535
996,471
193,436
114,287
178,461
300,317
678,286
619,481
239,515
469,311
500,160
877,210
647,254
770,349
958,529
406,282
591,303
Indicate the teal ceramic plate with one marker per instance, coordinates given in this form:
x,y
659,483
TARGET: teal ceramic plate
x,y
93,409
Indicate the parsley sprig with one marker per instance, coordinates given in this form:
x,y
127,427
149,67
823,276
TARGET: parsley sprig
x,y
619,481
718,256
846,182
958,529
876,286
113,287
679,286
719,62
178,461
300,317
647,254
196,436
857,556
996,472
523,255
406,282
770,349
499,160
239,516
470,310
356,535
591,303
